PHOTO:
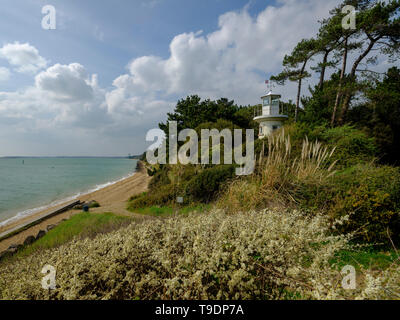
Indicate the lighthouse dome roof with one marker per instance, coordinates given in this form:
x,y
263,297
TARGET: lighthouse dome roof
x,y
270,94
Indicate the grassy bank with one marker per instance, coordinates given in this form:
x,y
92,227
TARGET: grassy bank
x,y
80,226
165,211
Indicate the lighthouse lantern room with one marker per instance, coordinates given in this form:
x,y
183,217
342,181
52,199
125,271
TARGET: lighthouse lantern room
x,y
270,115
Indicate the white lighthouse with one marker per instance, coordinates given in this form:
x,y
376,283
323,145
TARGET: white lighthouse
x,y
270,116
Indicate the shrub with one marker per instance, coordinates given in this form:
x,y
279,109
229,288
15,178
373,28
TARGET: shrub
x,y
159,178
163,196
372,195
206,184
242,195
255,255
94,204
353,146
246,256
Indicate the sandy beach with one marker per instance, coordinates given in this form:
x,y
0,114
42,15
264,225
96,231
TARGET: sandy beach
x,y
112,198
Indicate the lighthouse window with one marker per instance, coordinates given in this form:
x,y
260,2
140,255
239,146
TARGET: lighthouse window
x,y
275,127
275,102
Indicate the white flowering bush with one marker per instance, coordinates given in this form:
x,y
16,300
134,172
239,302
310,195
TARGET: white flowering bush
x,y
255,255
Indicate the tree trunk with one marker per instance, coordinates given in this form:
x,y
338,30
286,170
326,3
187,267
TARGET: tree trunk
x,y
339,92
322,76
346,101
296,113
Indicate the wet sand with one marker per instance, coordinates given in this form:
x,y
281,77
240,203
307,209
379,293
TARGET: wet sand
x,y
112,198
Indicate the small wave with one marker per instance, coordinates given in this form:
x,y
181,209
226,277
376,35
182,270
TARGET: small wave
x,y
29,212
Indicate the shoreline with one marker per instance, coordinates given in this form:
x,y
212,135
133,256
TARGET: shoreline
x,y
112,198
56,204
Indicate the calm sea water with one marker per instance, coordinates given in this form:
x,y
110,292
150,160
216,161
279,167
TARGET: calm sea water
x,y
29,184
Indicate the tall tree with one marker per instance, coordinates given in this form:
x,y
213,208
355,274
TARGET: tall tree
x,y
378,24
295,66
332,37
328,39
379,115
192,111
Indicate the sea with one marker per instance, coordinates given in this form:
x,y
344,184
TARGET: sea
x,y
29,185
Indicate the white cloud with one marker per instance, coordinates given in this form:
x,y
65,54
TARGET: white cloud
x,y
4,74
24,57
63,95
66,82
231,62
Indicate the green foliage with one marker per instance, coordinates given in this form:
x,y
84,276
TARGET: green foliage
x,y
377,29
295,62
380,116
220,125
368,194
195,182
159,178
94,204
352,145
319,105
155,211
205,185
365,258
161,211
289,177
371,195
295,66
189,113
163,196
243,118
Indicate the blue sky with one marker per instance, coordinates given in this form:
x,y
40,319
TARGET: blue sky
x,y
106,35
111,70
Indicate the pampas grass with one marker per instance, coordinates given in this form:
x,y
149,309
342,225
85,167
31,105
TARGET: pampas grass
x,y
278,175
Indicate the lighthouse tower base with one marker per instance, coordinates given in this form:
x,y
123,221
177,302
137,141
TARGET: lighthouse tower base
x,y
267,127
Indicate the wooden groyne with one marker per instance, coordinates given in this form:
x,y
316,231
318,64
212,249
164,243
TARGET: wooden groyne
x,y
27,225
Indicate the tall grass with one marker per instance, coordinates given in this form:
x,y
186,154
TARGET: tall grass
x,y
279,174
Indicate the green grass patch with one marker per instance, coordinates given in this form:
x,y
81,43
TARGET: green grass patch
x,y
369,259
155,211
83,225
160,211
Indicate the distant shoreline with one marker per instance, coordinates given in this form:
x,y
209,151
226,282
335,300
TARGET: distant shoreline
x,y
23,215
112,198
16,206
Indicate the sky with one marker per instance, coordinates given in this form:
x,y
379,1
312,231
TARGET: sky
x,y
111,70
